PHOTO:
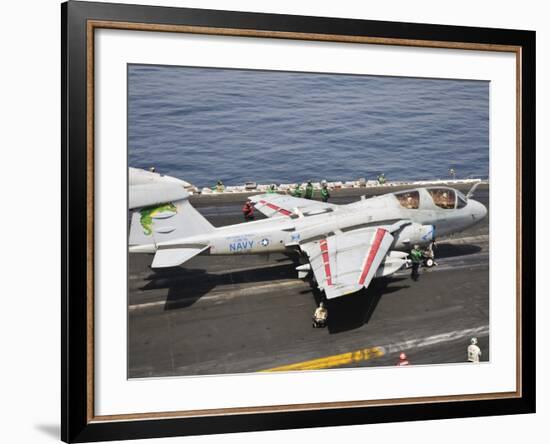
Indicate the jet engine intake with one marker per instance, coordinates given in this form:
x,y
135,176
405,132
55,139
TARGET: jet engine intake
x,y
414,234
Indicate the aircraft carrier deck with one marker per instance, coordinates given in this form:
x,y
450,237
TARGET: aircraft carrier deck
x,y
235,314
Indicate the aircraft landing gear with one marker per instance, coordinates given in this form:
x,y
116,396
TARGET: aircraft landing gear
x,y
429,256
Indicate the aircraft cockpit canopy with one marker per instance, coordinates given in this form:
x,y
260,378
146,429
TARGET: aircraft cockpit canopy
x,y
408,199
461,200
446,198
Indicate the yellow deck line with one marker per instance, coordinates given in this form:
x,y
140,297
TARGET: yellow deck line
x,y
332,361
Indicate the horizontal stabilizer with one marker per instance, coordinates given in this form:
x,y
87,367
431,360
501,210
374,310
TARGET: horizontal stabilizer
x,y
172,257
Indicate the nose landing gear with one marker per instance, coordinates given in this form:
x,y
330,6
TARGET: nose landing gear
x,y
429,256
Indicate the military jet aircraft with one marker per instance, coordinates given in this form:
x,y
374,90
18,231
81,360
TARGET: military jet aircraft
x,y
346,246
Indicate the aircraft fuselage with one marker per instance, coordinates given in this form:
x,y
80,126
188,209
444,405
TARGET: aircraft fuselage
x,y
281,233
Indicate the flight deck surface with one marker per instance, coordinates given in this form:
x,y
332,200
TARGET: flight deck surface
x,y
242,314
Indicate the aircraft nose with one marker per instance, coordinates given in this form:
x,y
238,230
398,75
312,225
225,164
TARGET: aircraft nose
x,y
479,211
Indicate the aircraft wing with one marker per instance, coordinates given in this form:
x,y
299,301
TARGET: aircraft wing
x,y
284,205
346,262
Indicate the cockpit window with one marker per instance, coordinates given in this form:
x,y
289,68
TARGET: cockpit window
x,y
443,197
409,199
460,202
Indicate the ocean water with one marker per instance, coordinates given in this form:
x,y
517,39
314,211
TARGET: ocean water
x,y
205,124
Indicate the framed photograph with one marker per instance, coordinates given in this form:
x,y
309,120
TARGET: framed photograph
x,y
275,221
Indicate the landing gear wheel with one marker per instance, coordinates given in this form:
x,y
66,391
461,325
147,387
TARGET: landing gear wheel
x,y
429,262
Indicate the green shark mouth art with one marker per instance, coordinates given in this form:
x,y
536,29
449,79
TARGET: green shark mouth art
x,y
148,213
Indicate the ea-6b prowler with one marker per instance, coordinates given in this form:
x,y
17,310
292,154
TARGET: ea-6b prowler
x,y
346,245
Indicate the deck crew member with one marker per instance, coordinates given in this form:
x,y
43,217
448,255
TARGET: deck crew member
x,y
248,210
297,192
382,179
220,186
452,173
416,258
325,195
309,190
320,316
474,352
403,360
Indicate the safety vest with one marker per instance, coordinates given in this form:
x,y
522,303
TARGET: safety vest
x,y
416,255
309,191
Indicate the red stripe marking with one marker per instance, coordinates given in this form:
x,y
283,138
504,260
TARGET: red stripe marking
x,y
372,254
326,261
276,208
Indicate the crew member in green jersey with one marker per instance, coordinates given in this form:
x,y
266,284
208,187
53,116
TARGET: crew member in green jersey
x,y
325,194
309,190
416,258
297,192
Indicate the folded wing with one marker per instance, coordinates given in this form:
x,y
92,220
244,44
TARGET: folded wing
x,y
346,262
283,205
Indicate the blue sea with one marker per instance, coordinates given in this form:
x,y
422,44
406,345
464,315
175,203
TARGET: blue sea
x,y
205,124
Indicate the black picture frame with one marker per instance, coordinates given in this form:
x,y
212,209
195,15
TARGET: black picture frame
x,y
77,424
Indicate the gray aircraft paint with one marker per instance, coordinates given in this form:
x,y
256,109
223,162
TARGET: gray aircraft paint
x,y
354,233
